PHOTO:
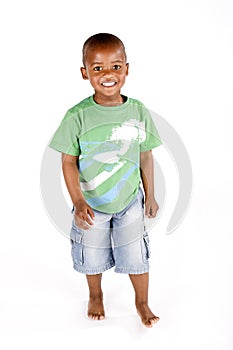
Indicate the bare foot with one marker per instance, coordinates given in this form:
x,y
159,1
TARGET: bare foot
x,y
147,317
96,308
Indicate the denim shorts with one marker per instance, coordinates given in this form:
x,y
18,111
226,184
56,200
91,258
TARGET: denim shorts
x,y
118,240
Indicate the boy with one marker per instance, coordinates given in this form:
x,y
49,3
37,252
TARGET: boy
x,y
106,143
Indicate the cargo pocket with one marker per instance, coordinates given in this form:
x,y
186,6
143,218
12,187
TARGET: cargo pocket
x,y
77,250
145,245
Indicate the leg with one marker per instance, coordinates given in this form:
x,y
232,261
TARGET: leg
x,y
95,304
140,284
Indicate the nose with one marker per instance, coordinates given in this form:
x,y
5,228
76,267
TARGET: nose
x,y
107,72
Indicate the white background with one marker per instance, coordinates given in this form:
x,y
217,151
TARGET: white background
x,y
180,55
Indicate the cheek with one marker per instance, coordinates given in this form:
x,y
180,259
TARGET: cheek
x,y
93,80
122,77
123,74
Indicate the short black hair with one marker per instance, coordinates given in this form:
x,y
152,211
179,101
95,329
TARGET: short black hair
x,y
101,39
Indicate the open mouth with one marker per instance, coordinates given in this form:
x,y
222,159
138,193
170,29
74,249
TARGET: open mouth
x,y
109,84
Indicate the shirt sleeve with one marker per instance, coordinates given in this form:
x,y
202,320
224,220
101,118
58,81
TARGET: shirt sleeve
x,y
66,137
151,137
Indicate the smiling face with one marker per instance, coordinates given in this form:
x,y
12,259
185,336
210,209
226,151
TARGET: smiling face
x,y
106,68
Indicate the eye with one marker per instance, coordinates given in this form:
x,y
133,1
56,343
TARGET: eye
x,y
97,68
116,67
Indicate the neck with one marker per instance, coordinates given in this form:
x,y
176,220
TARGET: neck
x,y
109,101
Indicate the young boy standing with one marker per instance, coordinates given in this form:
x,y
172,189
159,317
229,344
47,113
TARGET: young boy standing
x,y
106,143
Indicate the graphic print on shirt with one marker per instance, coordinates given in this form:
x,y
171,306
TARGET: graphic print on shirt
x,y
106,159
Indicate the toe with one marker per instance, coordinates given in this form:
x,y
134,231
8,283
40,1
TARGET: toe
x,y
96,315
148,324
154,319
151,321
91,315
101,315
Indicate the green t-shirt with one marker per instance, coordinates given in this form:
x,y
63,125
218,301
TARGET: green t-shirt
x,y
108,141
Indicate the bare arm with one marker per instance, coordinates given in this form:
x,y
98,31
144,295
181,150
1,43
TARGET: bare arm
x,y
83,212
147,175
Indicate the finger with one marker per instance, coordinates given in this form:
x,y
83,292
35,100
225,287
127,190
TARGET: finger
x,y
80,220
147,212
156,211
82,224
91,213
85,226
89,220
151,213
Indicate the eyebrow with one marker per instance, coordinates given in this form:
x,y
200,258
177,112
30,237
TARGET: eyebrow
x,y
115,61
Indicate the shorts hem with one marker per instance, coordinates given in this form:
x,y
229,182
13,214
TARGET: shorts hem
x,y
131,271
93,271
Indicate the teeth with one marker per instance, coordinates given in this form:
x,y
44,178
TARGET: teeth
x,y
109,84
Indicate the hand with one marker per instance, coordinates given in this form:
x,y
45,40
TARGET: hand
x,y
151,208
84,215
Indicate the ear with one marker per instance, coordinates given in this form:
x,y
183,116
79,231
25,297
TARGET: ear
x,y
127,68
84,73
